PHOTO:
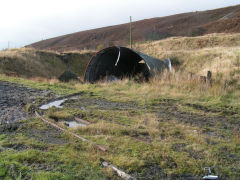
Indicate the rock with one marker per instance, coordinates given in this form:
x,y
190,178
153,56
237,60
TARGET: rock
x,y
68,76
112,78
83,108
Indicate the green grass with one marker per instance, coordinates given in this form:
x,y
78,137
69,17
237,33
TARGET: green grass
x,y
55,86
174,125
177,148
30,157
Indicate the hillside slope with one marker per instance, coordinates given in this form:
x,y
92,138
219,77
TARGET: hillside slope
x,y
216,52
187,24
30,63
219,53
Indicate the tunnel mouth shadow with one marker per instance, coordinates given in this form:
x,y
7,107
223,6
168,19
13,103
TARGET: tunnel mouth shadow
x,y
115,63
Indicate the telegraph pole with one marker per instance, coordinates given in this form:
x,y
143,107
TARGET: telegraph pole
x,y
131,32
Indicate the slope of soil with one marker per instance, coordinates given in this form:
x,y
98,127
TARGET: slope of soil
x,y
32,63
187,24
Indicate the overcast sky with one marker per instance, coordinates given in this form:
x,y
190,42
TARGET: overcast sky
x,y
26,21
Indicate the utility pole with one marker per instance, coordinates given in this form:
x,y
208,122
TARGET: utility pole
x,y
131,32
8,44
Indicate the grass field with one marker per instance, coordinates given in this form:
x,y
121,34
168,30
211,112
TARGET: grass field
x,y
169,128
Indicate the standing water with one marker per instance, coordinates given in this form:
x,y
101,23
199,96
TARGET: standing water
x,y
56,104
74,124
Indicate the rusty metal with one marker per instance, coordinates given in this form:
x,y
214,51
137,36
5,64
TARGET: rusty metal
x,y
121,62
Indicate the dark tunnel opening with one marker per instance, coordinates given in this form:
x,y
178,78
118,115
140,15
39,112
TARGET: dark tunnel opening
x,y
116,63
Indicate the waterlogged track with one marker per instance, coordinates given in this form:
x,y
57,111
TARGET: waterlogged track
x,y
13,98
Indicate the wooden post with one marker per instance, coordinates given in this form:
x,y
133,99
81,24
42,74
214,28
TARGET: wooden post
x,y
131,32
71,133
120,173
209,78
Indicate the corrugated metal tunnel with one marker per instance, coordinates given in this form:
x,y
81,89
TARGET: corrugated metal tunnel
x,y
120,62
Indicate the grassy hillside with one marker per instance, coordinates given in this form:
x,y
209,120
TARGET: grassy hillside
x,y
224,20
218,53
32,63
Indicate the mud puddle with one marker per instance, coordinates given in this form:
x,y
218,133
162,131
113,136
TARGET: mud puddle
x,y
57,104
74,124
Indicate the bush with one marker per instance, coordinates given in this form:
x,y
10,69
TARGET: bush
x,y
175,61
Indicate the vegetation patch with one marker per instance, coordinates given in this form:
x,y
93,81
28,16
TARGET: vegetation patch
x,y
171,127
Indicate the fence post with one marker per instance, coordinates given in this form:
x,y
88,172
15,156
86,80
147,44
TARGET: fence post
x,y
238,62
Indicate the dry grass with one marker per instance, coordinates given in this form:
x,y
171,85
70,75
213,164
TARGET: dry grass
x,y
191,43
139,138
218,53
174,83
218,59
183,82
151,123
15,52
31,63
46,80
84,51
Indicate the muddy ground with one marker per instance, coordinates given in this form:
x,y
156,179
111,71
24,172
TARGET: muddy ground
x,y
217,123
14,98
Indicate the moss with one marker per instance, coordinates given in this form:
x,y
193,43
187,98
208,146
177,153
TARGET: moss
x,y
57,115
2,136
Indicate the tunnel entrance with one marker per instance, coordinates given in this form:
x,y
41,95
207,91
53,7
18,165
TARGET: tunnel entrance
x,y
119,62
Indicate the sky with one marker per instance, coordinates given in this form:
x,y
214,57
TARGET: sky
x,y
23,22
